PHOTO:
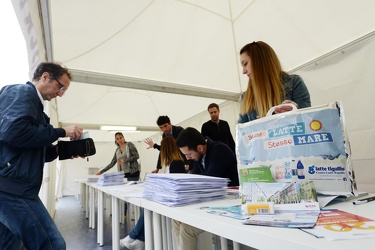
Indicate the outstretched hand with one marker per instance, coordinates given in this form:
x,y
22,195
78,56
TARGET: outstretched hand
x,y
149,142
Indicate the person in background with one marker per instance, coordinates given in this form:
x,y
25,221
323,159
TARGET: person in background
x,y
168,129
26,138
173,162
212,158
126,156
216,129
268,84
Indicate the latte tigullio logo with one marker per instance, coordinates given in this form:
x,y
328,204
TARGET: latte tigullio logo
x,y
311,169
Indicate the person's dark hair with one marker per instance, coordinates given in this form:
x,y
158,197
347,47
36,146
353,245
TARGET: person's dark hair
x,y
191,138
54,70
213,105
118,133
163,119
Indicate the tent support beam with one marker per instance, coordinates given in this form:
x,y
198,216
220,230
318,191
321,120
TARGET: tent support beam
x,y
333,52
46,22
150,85
97,126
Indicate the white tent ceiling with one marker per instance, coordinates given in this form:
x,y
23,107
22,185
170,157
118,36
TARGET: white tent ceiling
x,y
135,60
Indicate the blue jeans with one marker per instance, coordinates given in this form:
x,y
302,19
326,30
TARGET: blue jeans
x,y
138,232
27,221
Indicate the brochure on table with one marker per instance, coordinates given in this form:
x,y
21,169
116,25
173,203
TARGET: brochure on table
x,y
234,212
295,205
340,225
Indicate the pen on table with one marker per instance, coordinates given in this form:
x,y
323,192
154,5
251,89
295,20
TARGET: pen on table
x,y
365,200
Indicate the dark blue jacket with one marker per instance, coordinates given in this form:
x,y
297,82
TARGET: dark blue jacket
x,y
220,161
26,139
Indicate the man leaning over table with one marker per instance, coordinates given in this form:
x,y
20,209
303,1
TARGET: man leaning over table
x,y
212,158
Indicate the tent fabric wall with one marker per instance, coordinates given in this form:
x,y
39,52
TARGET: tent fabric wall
x,y
182,45
348,76
187,48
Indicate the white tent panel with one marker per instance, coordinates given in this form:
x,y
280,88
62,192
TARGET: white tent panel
x,y
170,37
347,75
135,60
300,31
107,105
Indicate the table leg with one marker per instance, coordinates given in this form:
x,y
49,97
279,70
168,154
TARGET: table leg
x,y
83,195
149,244
236,246
115,224
92,208
86,200
100,235
158,241
223,243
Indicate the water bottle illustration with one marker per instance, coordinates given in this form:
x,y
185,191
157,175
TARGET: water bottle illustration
x,y
288,171
294,168
300,171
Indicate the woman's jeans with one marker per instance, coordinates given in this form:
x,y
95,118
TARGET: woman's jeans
x,y
138,232
27,221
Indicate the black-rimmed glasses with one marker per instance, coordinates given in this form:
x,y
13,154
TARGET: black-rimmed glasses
x,y
62,87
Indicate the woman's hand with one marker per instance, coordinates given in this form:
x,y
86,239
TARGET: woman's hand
x,y
121,161
285,108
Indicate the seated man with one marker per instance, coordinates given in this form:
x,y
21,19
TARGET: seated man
x,y
213,158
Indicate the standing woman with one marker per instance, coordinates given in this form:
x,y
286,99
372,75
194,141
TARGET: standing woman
x,y
268,84
171,159
126,156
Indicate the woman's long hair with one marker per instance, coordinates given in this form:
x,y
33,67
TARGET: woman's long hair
x,y
169,151
265,88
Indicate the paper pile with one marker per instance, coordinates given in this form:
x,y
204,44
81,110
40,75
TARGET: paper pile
x,y
183,189
92,178
108,179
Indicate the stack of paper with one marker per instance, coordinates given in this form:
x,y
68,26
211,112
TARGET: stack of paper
x,y
92,178
183,189
108,179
